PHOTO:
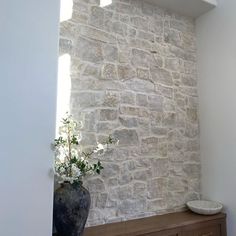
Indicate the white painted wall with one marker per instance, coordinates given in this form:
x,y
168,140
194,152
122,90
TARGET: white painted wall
x,y
216,34
28,74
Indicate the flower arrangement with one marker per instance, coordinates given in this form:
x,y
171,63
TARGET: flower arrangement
x,y
72,164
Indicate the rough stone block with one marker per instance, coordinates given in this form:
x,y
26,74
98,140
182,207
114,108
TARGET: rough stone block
x,y
112,182
65,46
165,91
160,131
110,52
89,50
87,99
128,122
130,206
156,26
132,32
127,98
177,184
141,100
96,34
173,64
109,71
161,76
81,7
144,126
125,178
141,58
110,170
159,167
124,8
143,74
140,85
157,188
108,114
95,185
79,17
156,205
87,138
139,43
183,54
169,119
142,175
130,111
92,70
126,137
119,28
150,145
189,80
101,200
192,114
145,35
125,72
97,16
125,19
192,170
173,37
155,102
106,127
139,22
124,192
111,99
178,25
192,145
147,8
191,130
140,189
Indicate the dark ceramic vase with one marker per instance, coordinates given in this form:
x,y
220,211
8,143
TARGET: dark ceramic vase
x,y
71,208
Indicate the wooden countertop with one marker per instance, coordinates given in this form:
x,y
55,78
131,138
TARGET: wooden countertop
x,y
150,224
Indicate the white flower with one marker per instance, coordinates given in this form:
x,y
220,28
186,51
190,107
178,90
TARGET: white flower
x,y
62,130
100,148
75,171
78,172
73,167
74,153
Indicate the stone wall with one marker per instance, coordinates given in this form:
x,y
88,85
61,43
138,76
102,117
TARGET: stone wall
x,y
133,73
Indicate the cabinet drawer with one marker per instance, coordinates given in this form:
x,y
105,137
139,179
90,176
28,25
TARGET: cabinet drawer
x,y
164,233
209,231
206,231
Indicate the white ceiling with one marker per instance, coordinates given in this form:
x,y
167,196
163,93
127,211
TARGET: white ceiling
x,y
192,8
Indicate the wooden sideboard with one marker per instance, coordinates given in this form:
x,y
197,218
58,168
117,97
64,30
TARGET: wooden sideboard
x,y
174,224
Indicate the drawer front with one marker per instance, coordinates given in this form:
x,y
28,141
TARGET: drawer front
x,y
209,231
164,233
206,231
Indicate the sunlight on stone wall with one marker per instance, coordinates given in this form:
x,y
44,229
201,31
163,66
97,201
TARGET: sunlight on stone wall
x,y
63,87
66,10
104,3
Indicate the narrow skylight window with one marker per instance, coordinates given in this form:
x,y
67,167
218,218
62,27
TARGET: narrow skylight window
x,y
104,3
66,10
63,87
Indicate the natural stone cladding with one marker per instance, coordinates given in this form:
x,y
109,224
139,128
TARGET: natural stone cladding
x,y
133,74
